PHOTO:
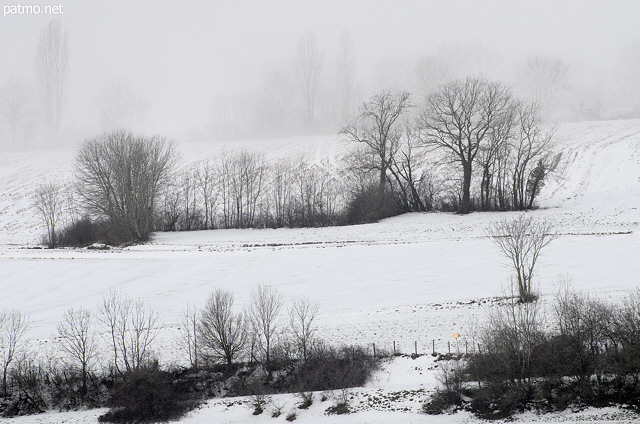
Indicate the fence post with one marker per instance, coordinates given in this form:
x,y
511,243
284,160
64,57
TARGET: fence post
x,y
466,348
394,347
416,347
449,346
374,350
433,343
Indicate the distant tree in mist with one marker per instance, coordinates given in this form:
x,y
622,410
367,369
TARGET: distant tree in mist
x,y
543,78
17,112
309,63
118,106
346,83
628,69
429,72
52,71
278,100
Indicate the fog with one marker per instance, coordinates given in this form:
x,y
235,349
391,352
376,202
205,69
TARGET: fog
x,y
192,65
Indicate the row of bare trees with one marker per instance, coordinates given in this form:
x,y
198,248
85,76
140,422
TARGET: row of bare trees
x,y
471,146
128,328
475,127
219,332
241,190
119,339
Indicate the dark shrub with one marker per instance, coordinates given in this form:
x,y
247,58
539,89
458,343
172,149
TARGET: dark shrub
x,y
85,232
371,205
147,395
329,368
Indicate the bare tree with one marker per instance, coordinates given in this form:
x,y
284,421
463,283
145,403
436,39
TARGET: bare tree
x,y
511,336
49,202
118,106
346,84
405,169
17,111
309,62
302,315
533,155
459,118
189,330
543,77
378,129
278,98
132,326
206,178
119,177
264,311
521,240
76,339
221,331
14,325
52,70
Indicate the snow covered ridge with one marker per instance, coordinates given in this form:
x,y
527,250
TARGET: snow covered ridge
x,y
376,283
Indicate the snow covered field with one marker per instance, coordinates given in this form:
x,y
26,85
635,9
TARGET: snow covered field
x,y
413,278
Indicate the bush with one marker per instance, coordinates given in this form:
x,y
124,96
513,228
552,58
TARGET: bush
x,y
306,400
371,205
147,395
329,368
291,416
85,232
341,403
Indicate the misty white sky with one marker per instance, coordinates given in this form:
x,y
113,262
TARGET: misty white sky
x,y
180,54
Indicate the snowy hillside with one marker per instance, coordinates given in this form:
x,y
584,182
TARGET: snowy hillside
x,y
413,278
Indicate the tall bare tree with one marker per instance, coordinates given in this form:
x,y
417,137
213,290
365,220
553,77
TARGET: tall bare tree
x,y
264,311
309,62
346,84
521,240
17,111
190,340
14,325
52,71
119,177
459,118
378,128
77,340
221,330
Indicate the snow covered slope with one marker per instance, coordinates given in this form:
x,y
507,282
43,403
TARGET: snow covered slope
x,y
413,278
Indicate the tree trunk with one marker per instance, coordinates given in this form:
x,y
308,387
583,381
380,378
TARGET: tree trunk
x,y
465,207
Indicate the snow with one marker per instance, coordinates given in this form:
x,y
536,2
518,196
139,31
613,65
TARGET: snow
x,y
414,278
